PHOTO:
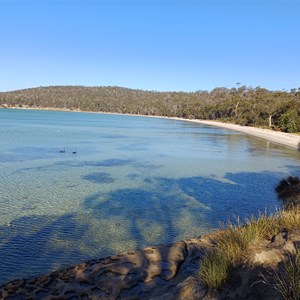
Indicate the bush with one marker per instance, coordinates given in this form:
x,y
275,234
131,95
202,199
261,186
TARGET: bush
x,y
290,121
288,191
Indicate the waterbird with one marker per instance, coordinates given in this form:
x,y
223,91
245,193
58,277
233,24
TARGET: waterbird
x,y
62,150
75,151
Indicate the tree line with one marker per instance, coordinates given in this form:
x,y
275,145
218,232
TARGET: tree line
x,y
241,105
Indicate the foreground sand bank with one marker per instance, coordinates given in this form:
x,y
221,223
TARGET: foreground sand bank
x,y
282,138
164,272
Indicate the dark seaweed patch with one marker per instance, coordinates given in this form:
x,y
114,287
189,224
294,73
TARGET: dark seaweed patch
x,y
99,177
133,176
115,162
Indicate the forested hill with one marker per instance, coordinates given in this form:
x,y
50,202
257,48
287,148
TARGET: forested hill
x,y
242,105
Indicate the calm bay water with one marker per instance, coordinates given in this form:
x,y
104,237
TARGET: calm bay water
x,y
132,182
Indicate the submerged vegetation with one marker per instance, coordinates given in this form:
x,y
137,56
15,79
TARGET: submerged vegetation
x,y
242,105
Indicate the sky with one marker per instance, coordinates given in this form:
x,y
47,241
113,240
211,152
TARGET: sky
x,y
150,45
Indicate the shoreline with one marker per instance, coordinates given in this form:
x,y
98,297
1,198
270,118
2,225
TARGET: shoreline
x,y
162,272
282,138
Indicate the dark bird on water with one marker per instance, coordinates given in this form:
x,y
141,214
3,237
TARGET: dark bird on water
x,y
62,151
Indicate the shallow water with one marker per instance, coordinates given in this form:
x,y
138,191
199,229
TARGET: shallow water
x,y
133,181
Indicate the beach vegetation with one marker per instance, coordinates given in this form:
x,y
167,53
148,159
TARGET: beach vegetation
x,y
286,279
234,243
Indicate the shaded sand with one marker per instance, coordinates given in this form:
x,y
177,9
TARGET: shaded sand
x,y
144,274
163,272
278,137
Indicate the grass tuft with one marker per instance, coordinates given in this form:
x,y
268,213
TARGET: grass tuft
x,y
214,270
235,242
286,280
289,218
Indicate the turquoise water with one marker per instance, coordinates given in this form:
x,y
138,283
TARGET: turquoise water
x,y
133,181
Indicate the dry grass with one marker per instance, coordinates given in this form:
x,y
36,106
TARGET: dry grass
x,y
286,280
289,219
235,243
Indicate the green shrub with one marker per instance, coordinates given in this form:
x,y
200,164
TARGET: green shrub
x,y
290,121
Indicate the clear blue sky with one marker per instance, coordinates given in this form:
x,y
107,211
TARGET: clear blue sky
x,y
153,45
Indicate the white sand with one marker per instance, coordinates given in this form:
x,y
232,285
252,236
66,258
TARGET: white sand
x,y
282,138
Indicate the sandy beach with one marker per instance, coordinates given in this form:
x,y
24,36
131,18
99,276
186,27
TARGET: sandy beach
x,y
278,137
286,139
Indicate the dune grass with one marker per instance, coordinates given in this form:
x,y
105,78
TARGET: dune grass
x,y
287,282
214,270
235,242
286,279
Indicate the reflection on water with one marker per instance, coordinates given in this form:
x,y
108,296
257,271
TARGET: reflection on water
x,y
132,182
